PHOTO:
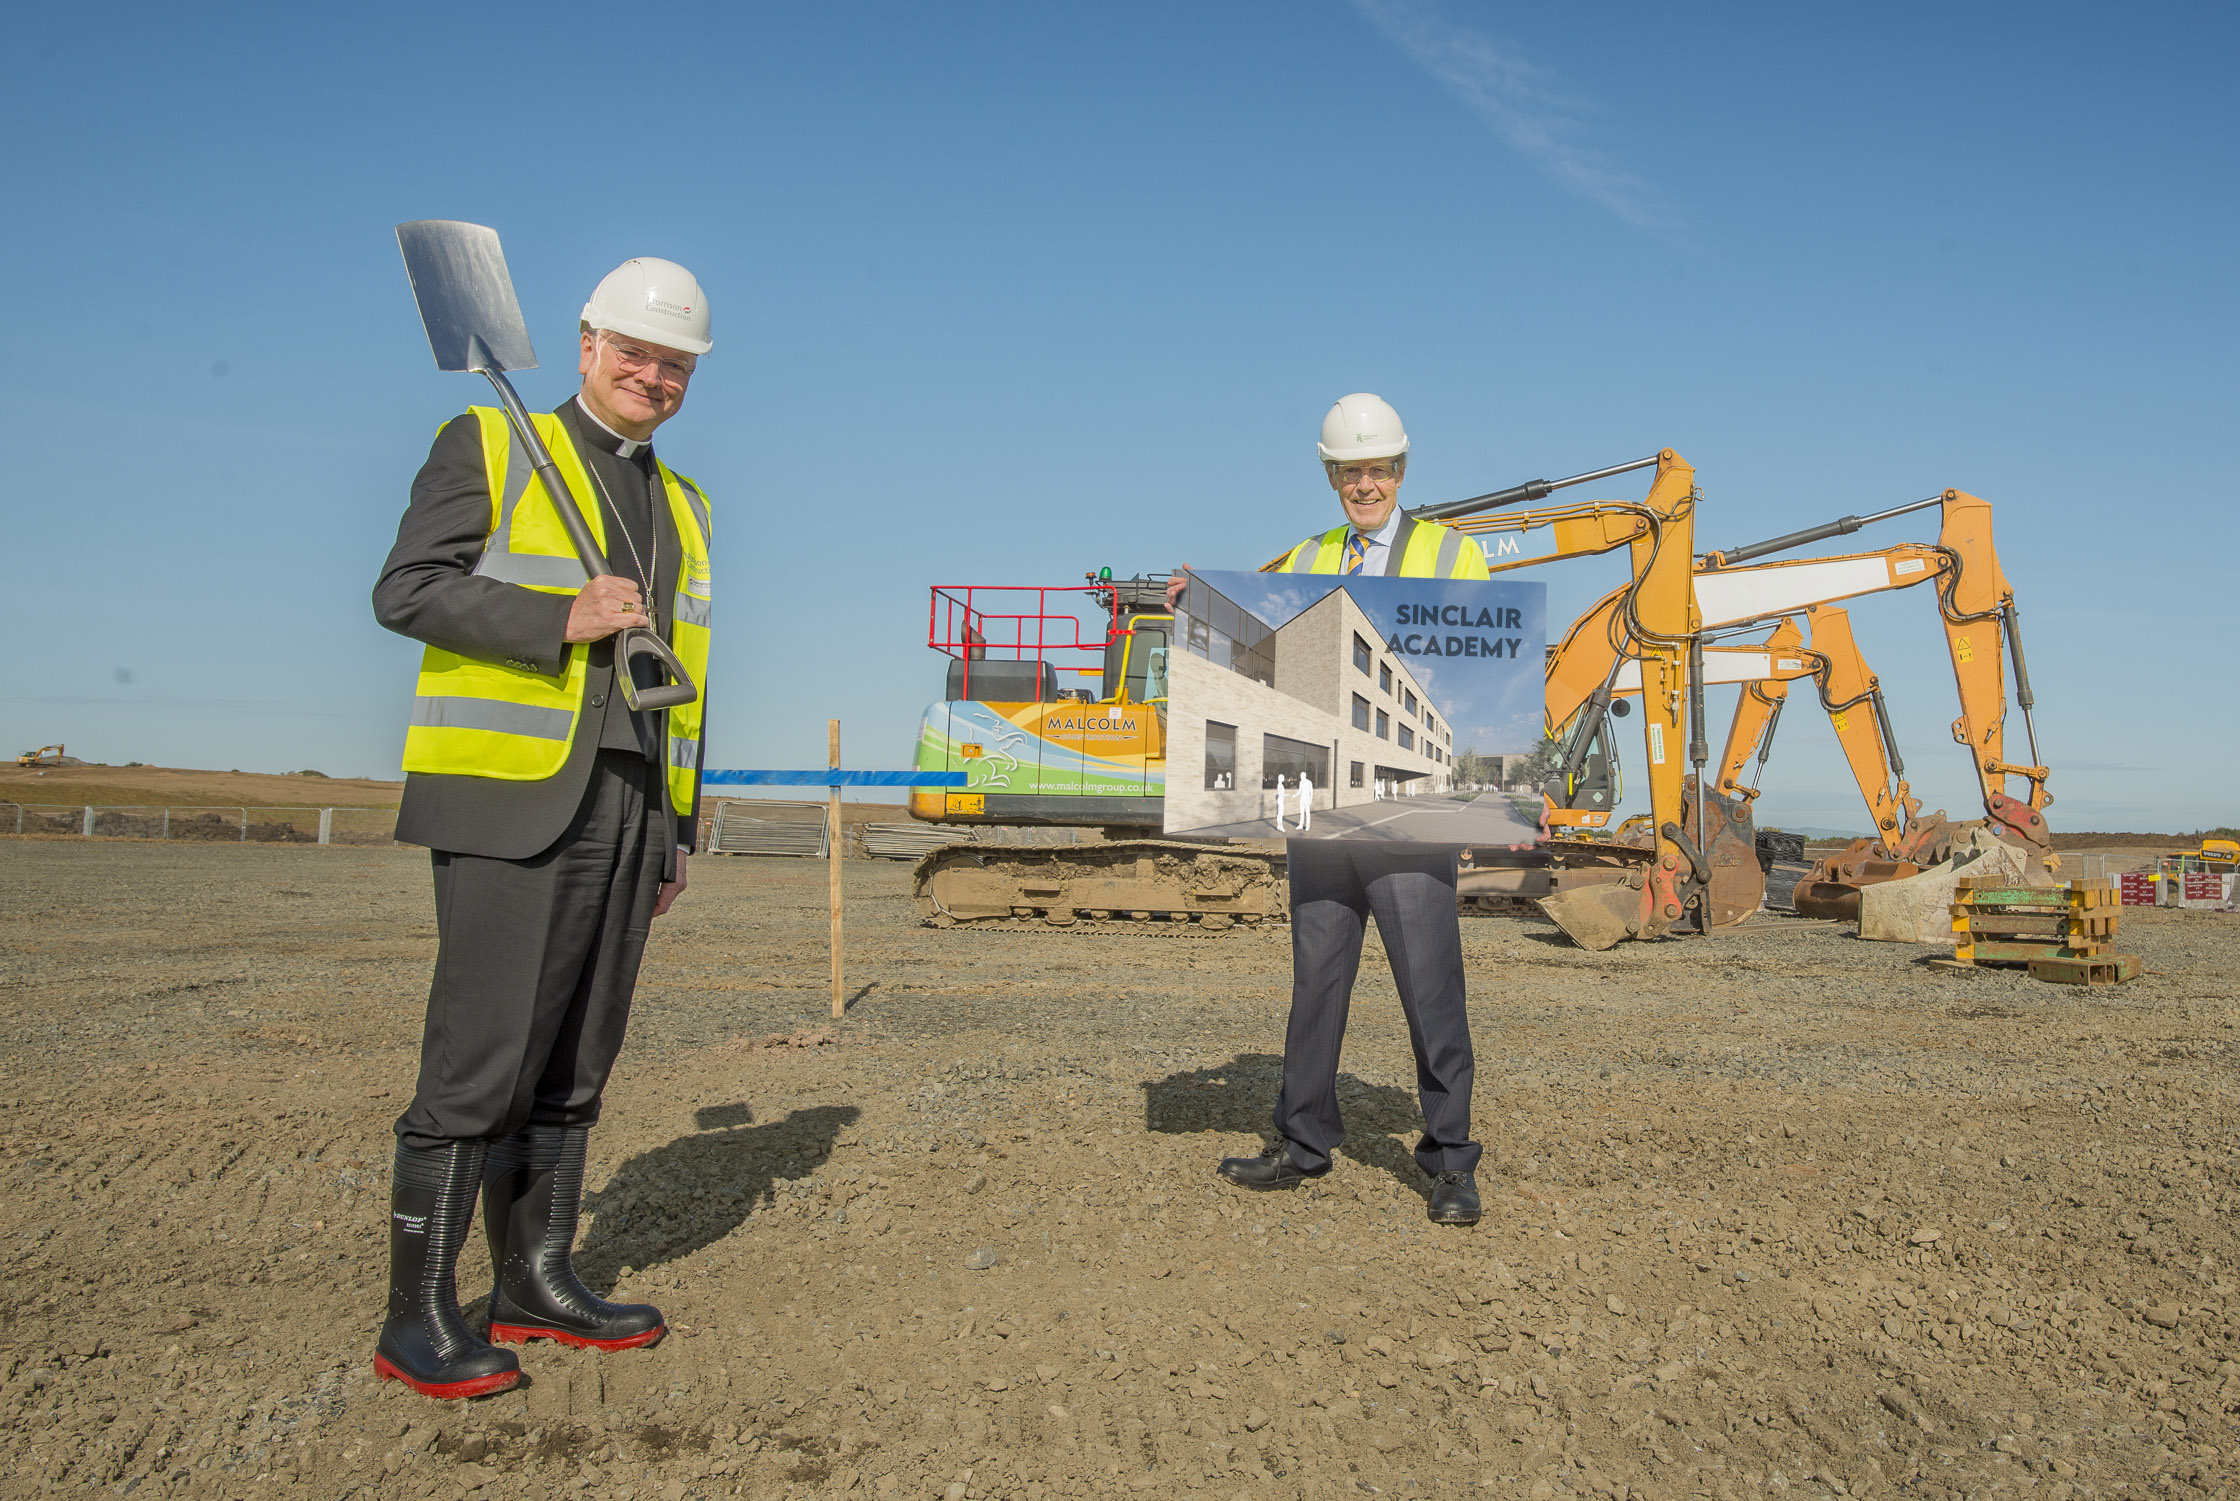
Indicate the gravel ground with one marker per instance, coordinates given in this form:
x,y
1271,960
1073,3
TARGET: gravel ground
x,y
1778,1213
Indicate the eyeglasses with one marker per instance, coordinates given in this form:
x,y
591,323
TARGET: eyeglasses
x,y
1354,474
675,369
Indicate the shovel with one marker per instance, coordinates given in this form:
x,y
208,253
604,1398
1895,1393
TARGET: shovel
x,y
465,293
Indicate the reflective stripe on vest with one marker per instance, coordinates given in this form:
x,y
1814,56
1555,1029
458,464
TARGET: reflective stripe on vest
x,y
530,569
1425,549
496,715
476,718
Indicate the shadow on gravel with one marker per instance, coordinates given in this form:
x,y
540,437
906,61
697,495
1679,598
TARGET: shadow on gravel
x,y
1553,938
673,1200
1239,1095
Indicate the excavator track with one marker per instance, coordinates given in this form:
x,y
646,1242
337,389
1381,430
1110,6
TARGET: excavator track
x,y
1156,885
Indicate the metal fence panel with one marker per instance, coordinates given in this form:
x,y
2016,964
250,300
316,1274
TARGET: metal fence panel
x,y
204,824
746,826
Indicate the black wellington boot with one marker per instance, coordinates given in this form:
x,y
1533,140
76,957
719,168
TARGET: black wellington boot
x,y
532,1192
426,1344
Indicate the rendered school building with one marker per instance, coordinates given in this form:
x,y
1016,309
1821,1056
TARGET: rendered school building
x,y
1318,697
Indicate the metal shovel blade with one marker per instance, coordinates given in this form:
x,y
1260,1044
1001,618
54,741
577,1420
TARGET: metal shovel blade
x,y
465,293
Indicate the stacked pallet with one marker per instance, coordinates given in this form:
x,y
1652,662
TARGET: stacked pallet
x,y
909,841
2065,934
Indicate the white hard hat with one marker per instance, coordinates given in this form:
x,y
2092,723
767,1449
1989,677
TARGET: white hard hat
x,y
1362,426
652,299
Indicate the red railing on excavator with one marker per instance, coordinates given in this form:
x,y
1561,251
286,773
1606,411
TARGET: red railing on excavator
x,y
1023,623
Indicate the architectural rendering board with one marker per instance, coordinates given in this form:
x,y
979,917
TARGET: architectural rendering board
x,y
1325,706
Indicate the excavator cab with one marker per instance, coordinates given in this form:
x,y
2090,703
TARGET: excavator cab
x,y
1135,661
1588,781
1135,654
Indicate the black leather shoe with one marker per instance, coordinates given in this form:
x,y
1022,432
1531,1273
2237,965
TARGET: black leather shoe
x,y
425,1343
1271,1169
532,1195
1454,1199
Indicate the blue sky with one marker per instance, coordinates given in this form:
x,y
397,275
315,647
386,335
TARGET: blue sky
x,y
1006,293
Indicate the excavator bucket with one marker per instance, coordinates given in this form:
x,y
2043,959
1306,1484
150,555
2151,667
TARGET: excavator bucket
x,y
1738,881
1597,905
1595,917
1831,888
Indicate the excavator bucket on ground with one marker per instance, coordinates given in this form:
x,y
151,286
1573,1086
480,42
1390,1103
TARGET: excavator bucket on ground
x,y
1597,898
1595,917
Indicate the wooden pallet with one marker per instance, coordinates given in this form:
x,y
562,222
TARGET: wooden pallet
x,y
2064,934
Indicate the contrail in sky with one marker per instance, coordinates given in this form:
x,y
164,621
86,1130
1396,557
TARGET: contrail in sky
x,y
1518,100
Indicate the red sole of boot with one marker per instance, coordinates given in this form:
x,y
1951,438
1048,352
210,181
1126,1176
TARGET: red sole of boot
x,y
448,1391
521,1334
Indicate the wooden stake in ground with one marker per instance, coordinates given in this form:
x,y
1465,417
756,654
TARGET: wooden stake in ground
x,y
836,848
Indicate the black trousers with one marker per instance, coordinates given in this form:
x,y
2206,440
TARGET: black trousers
x,y
1336,886
536,961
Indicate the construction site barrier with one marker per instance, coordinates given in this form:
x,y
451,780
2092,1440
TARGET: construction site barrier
x,y
203,824
2169,888
747,826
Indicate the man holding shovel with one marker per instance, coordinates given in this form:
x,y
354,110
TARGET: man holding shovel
x,y
558,805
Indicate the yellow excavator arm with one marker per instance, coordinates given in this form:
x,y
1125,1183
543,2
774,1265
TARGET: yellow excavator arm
x,y
1756,713
1975,605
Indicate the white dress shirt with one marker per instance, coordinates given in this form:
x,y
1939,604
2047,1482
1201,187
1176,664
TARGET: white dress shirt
x,y
1376,549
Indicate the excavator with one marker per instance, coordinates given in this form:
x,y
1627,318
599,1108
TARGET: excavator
x,y
1905,839
1040,749
1591,668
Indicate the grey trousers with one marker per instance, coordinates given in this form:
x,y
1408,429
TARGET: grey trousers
x,y
1336,886
536,961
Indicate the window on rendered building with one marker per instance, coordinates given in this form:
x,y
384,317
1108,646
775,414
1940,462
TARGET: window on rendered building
x,y
1292,759
1221,757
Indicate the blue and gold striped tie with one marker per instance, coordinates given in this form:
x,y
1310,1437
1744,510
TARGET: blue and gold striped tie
x,y
1356,549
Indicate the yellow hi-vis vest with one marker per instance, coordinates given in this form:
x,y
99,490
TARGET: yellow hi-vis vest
x,y
1426,550
491,719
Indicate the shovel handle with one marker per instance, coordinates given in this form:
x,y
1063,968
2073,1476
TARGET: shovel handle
x,y
630,644
638,642
548,473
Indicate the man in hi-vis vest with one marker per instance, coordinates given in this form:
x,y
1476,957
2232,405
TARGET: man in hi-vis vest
x,y
1338,886
558,817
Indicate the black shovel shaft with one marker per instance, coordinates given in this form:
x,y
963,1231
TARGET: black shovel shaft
x,y
628,645
555,488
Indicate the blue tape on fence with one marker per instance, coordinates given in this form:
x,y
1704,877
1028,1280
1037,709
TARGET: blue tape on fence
x,y
833,778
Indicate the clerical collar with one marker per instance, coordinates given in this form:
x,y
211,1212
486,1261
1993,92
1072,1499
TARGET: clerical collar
x,y
607,438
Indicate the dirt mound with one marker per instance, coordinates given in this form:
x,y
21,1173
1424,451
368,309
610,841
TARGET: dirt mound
x,y
175,787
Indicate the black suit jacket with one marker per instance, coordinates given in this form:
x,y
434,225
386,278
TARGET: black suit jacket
x,y
429,591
